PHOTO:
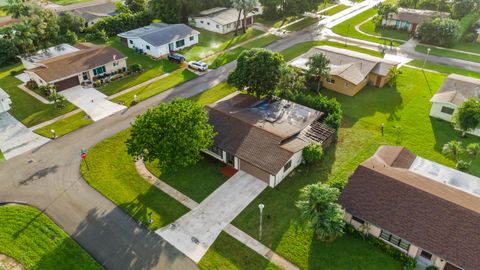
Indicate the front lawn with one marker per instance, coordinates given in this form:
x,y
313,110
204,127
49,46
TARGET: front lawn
x,y
211,43
152,68
335,10
277,23
65,125
404,110
448,53
444,68
347,29
68,2
25,108
369,27
175,78
32,239
301,48
303,23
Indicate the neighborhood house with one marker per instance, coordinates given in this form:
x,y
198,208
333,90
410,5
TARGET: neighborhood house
x,y
409,19
5,101
427,210
455,90
350,71
264,137
92,14
66,66
220,20
159,39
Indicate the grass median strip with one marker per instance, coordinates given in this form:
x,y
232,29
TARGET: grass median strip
x,y
303,23
335,10
448,53
32,239
65,125
175,78
444,68
371,28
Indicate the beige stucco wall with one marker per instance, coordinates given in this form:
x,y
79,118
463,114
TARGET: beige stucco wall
x,y
344,87
372,78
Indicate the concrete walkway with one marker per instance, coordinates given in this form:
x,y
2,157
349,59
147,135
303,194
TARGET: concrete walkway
x,y
195,232
15,138
230,229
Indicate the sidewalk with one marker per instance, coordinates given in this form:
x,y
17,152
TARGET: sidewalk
x,y
230,229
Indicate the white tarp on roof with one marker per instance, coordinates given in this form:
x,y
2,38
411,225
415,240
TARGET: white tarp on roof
x,y
446,175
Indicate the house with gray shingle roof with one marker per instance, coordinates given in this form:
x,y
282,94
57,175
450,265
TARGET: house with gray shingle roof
x,y
350,71
409,19
454,91
159,39
220,20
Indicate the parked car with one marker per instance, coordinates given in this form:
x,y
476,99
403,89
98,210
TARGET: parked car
x,y
176,57
198,65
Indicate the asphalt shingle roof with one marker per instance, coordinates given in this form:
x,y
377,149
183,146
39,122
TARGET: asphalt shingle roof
x,y
456,89
158,34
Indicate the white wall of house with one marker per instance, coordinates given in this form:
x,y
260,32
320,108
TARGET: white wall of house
x,y
210,25
162,50
5,101
436,110
296,160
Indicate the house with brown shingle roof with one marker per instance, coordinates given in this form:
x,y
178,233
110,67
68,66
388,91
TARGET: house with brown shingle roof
x,y
454,91
264,137
350,71
427,210
66,66
409,19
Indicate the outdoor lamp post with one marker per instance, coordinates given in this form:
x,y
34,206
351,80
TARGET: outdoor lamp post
x,y
426,57
260,206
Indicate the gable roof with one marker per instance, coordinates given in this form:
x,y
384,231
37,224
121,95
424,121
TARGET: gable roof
x,y
244,131
349,65
456,89
93,12
417,16
158,34
385,191
87,57
222,15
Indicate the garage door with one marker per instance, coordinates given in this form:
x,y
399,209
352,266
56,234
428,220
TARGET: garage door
x,y
67,83
255,171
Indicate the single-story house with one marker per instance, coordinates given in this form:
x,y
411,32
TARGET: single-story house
x,y
454,91
159,39
350,71
264,137
220,20
92,13
408,19
427,210
5,101
66,66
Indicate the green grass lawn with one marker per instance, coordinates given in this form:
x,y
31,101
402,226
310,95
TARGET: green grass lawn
x,y
444,68
325,5
301,48
213,94
405,111
211,43
304,23
468,47
335,10
68,2
66,125
347,28
370,28
32,239
227,253
277,23
175,78
232,55
447,53
152,68
27,109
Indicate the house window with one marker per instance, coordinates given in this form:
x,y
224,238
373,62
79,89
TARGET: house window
x,y
218,26
192,38
359,220
426,255
332,81
85,76
216,150
131,41
394,240
287,166
180,43
447,110
148,47
208,23
201,22
99,70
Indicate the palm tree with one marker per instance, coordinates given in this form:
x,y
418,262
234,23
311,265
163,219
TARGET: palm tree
x,y
248,7
318,205
453,150
238,5
319,68
394,73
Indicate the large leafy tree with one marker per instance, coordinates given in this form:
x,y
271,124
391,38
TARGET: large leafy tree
x,y
318,205
8,52
173,133
68,21
258,71
318,68
175,11
440,31
386,9
136,5
245,6
467,117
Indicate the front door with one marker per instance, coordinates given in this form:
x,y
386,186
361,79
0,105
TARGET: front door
x,y
171,47
230,160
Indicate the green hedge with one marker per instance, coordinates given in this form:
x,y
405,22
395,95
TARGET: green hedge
x,y
467,22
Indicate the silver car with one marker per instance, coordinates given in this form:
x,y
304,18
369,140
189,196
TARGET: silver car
x,y
198,65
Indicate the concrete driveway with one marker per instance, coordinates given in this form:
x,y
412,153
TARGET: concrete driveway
x,y
92,102
15,138
195,232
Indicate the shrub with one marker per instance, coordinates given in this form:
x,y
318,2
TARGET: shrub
x,y
338,184
32,85
440,31
463,165
123,22
97,35
312,153
8,52
466,23
135,68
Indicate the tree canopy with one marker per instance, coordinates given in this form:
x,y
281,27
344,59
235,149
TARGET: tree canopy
x,y
318,205
258,71
173,133
467,117
318,68
440,31
386,9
